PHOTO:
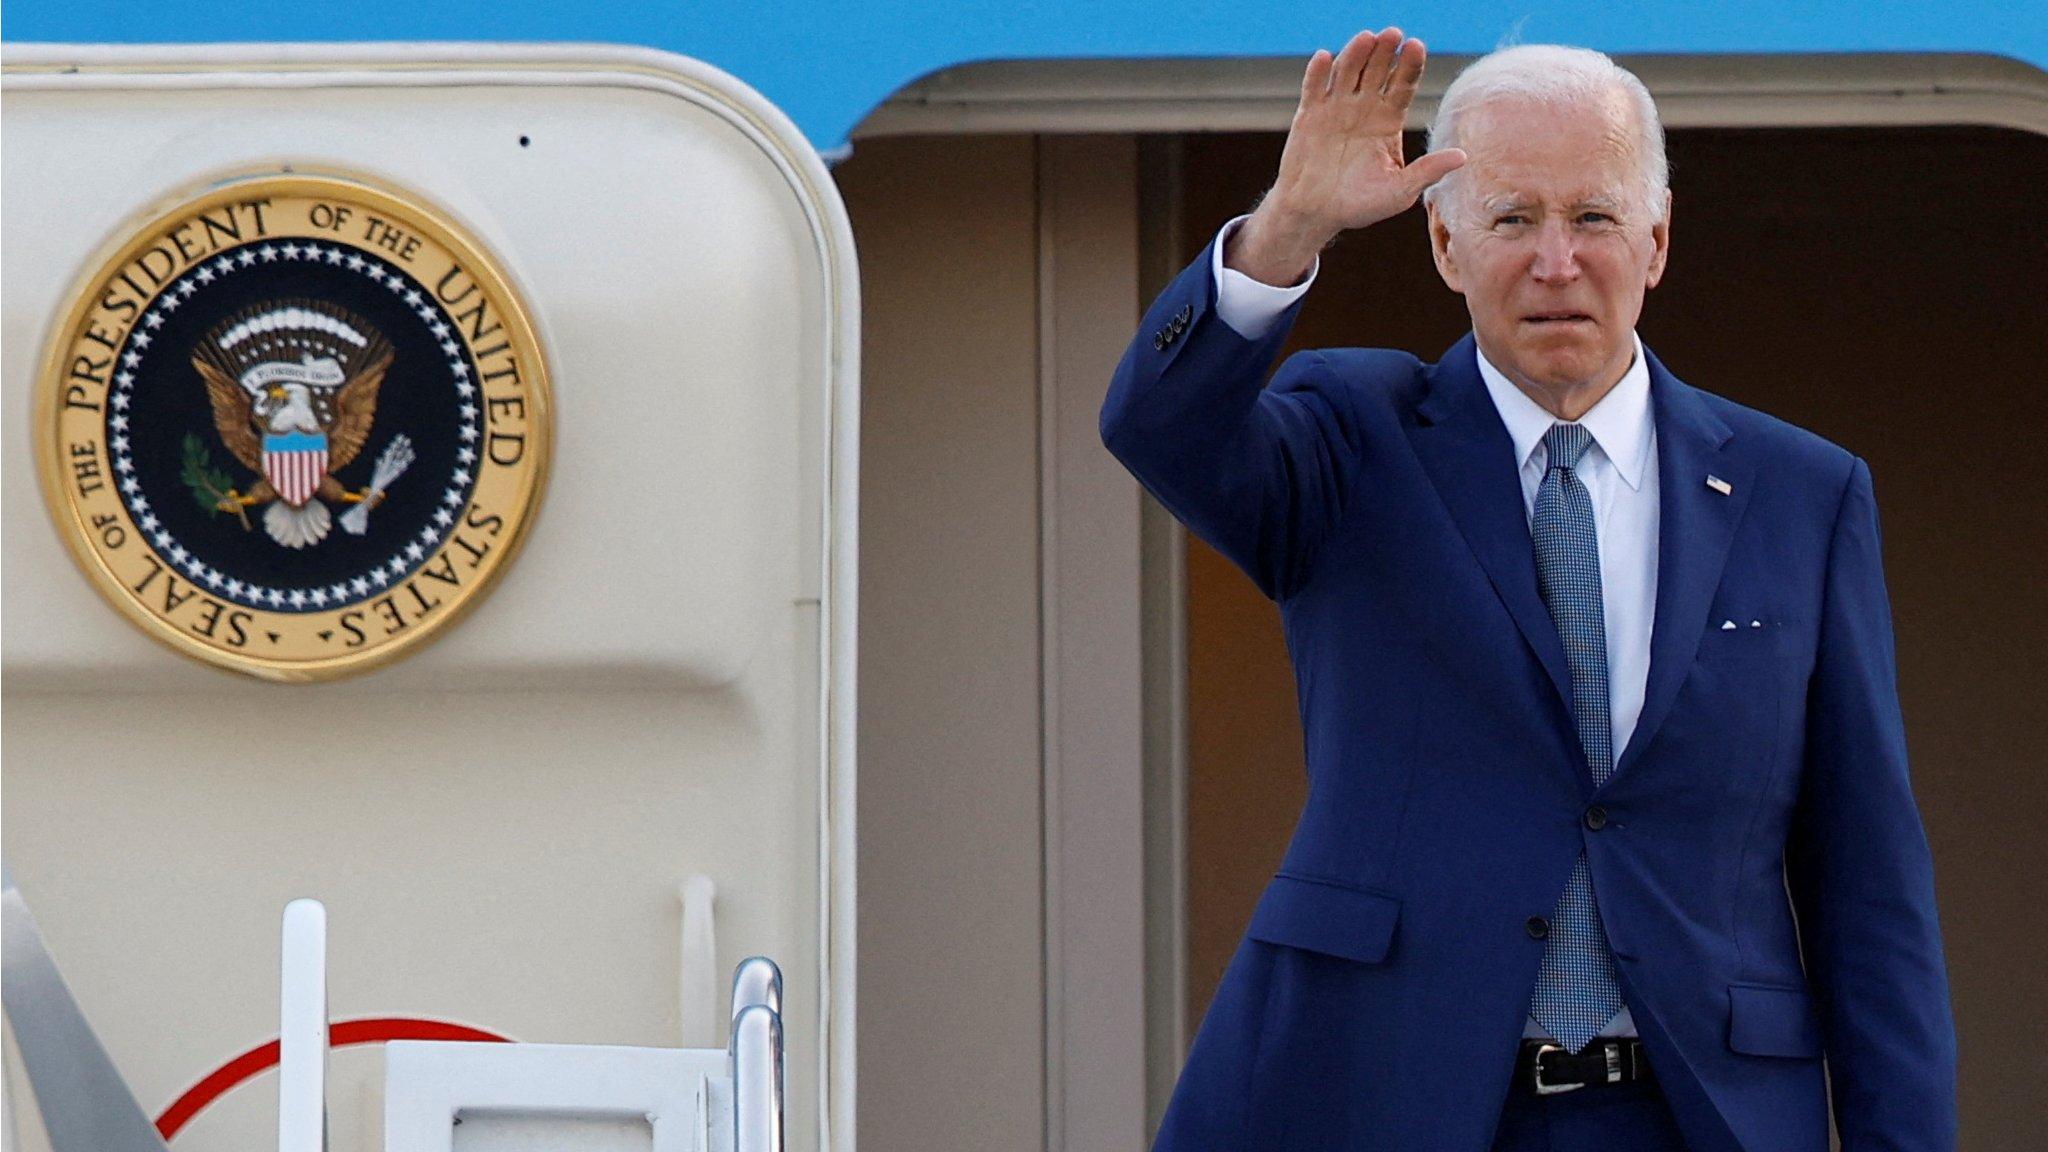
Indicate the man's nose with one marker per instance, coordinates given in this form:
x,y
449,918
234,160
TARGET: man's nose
x,y
1557,256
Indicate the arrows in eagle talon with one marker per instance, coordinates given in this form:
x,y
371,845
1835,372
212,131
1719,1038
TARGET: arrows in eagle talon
x,y
397,457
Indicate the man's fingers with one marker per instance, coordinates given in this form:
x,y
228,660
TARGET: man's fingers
x,y
1374,76
1426,170
1351,62
1315,82
1407,73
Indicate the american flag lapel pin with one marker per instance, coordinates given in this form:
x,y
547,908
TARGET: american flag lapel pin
x,y
1719,485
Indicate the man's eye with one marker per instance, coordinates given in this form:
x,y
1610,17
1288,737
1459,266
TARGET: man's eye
x,y
1511,218
1598,217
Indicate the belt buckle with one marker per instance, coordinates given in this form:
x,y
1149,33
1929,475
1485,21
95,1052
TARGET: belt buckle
x,y
1543,1089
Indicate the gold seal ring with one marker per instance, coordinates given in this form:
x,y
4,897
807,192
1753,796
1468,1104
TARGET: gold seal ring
x,y
294,425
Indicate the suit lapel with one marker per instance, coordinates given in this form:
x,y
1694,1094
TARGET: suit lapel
x,y
1471,460
1696,524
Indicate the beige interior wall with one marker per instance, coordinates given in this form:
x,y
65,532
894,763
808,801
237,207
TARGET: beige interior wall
x,y
1003,784
1090,592
951,987
1887,288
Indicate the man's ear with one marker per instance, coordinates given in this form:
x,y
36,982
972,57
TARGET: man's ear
x,y
1660,235
1440,247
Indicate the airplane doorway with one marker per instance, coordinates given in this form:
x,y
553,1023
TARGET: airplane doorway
x,y
1884,287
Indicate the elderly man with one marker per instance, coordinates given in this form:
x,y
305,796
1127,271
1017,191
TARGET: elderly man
x,y
1595,671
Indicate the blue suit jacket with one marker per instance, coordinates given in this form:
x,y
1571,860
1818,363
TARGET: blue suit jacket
x,y
1379,995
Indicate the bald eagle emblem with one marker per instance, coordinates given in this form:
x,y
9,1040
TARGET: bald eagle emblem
x,y
293,385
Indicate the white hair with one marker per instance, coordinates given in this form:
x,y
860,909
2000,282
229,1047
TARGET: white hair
x,y
1557,75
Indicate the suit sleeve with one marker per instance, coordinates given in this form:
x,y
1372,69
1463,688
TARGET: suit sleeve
x,y
1258,472
1860,873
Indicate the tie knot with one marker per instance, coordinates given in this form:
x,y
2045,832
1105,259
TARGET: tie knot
x,y
1566,443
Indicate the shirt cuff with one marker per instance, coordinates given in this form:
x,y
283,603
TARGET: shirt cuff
x,y
1251,306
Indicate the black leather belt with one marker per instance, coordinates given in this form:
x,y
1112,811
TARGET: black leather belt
x,y
1543,1067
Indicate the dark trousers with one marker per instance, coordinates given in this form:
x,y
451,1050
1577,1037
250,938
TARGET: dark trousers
x,y
1630,1117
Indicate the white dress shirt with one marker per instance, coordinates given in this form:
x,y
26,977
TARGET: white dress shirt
x,y
1619,471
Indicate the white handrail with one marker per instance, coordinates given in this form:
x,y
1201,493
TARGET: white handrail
x,y
698,991
302,1029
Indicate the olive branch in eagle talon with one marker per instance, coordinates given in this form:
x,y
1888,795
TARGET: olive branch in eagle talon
x,y
212,488
293,386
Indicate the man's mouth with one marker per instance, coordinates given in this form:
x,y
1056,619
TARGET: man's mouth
x,y
1562,317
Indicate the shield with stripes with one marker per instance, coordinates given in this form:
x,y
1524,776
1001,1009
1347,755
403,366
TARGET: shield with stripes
x,y
295,464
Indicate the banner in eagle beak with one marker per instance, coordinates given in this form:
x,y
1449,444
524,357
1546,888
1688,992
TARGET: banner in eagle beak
x,y
295,464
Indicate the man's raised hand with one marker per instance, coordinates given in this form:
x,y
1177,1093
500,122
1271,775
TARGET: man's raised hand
x,y
1342,166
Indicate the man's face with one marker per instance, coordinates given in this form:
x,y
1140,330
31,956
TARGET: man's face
x,y
1549,240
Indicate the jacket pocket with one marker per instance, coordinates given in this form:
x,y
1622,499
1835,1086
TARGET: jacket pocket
x,y
1770,1021
1324,916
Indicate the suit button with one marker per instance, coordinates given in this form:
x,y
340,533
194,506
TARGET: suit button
x,y
1596,817
1187,313
1538,927
1159,341
1180,324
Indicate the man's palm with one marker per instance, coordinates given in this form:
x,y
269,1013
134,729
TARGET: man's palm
x,y
1343,165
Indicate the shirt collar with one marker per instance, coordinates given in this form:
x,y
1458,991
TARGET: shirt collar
x,y
1620,423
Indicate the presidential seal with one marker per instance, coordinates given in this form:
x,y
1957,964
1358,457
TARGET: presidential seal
x,y
294,426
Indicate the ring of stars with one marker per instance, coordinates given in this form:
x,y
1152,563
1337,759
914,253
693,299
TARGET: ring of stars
x,y
405,556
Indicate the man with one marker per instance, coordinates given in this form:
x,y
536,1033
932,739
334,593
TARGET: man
x,y
1595,671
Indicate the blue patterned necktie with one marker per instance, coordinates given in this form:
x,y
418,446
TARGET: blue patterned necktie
x,y
1577,990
